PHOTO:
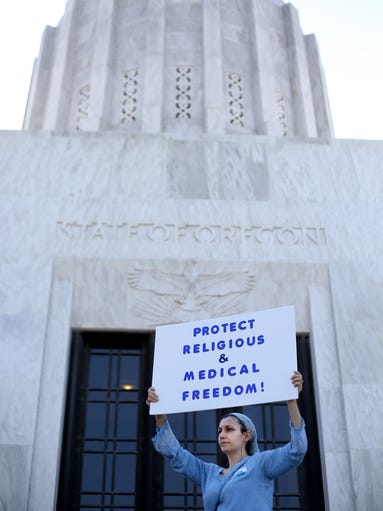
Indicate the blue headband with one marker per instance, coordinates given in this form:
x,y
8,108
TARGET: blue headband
x,y
249,425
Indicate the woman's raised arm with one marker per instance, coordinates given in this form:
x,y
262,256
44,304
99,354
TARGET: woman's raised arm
x,y
153,398
292,405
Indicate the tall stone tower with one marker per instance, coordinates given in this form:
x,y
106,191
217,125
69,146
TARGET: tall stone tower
x,y
178,163
191,67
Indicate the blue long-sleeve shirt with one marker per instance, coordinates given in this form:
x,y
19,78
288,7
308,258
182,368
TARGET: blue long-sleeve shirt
x,y
248,485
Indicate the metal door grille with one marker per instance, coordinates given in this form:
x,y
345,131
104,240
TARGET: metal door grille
x,y
104,412
109,442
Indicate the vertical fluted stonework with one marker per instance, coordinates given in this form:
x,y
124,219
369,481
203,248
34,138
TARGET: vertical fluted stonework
x,y
100,73
214,102
191,66
151,71
300,86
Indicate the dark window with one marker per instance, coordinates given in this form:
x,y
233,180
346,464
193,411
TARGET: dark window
x,y
108,461
106,453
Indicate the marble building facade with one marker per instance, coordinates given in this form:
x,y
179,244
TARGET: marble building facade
x,y
196,140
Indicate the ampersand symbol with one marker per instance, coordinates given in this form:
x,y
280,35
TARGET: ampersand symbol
x,y
223,358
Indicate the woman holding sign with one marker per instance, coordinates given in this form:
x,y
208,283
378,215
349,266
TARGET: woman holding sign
x,y
248,482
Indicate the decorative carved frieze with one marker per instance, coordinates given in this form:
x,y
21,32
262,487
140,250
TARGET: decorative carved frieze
x,y
129,96
281,112
196,233
82,106
235,99
163,296
183,102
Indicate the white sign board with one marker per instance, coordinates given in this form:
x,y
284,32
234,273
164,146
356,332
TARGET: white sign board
x,y
225,362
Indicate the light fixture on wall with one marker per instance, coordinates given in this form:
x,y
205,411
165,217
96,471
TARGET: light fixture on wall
x,y
127,386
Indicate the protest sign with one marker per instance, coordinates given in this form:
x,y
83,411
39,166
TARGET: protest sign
x,y
225,362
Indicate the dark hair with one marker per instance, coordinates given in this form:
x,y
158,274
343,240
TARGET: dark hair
x,y
243,429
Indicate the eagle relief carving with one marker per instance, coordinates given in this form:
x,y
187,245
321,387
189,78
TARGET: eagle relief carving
x,y
169,297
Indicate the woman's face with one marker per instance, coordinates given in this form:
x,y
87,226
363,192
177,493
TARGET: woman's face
x,y
230,436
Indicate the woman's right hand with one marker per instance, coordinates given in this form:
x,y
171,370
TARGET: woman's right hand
x,y
152,396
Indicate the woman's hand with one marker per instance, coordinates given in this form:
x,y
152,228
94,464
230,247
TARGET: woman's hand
x,y
297,381
292,405
152,396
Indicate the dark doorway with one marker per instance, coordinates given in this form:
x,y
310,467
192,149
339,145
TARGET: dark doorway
x,y
108,462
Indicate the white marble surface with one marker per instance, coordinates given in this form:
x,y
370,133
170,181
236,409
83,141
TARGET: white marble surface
x,y
43,480
340,494
368,482
21,338
15,463
51,404
365,415
299,221
151,169
332,426
358,305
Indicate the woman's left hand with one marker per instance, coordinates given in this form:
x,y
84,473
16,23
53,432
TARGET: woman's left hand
x,y
297,381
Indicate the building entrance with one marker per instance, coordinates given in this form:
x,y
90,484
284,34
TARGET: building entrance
x,y
108,462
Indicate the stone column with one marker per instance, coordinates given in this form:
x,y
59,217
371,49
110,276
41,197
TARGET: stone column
x,y
333,438
356,289
101,72
213,69
154,68
51,405
263,83
301,97
42,70
59,94
318,88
